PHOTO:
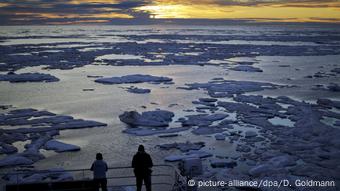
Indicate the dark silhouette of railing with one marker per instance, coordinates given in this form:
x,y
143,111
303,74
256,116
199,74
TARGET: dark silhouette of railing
x,y
164,177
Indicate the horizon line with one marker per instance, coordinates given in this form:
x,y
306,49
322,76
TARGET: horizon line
x,y
179,21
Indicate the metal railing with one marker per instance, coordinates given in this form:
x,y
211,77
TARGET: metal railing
x,y
164,177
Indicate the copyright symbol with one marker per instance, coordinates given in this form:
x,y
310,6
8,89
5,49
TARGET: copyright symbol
x,y
191,182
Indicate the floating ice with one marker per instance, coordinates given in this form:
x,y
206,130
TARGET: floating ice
x,y
28,77
32,176
15,160
329,103
249,134
207,100
40,128
136,90
7,148
184,147
228,88
336,70
158,118
136,78
243,148
60,146
147,131
246,69
333,87
202,119
223,163
190,154
220,137
208,130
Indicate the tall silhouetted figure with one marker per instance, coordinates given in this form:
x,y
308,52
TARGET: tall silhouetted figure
x,y
142,164
99,168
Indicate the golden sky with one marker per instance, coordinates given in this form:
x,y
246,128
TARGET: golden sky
x,y
285,10
77,11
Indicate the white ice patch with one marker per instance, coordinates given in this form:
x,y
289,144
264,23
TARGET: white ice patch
x,y
118,57
281,121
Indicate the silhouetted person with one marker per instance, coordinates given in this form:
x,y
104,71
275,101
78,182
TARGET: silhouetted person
x,y
99,168
142,164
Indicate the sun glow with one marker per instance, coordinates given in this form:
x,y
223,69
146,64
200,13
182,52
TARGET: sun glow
x,y
166,11
289,12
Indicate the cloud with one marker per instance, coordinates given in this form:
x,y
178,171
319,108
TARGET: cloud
x,y
246,2
39,11
18,12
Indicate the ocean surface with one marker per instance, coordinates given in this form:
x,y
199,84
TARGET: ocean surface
x,y
287,54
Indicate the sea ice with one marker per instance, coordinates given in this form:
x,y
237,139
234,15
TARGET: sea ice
x,y
136,78
39,127
31,175
7,149
27,77
157,118
60,146
136,90
207,99
249,134
328,103
190,154
146,131
336,70
184,147
223,163
202,119
227,88
208,130
220,137
15,160
333,87
246,69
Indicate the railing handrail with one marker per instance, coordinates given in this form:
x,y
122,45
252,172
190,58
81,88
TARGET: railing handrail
x,y
81,170
177,180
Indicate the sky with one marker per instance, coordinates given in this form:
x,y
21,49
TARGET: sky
x,y
33,12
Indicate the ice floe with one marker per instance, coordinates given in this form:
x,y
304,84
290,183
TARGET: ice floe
x,y
228,88
184,147
137,90
220,137
7,148
157,118
60,146
190,154
39,127
249,134
145,131
22,176
202,119
135,78
246,69
223,163
28,77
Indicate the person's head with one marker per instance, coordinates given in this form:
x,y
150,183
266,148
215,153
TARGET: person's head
x,y
99,156
141,148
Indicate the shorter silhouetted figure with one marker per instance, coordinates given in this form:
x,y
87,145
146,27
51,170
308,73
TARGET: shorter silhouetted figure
x,y
99,168
142,164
